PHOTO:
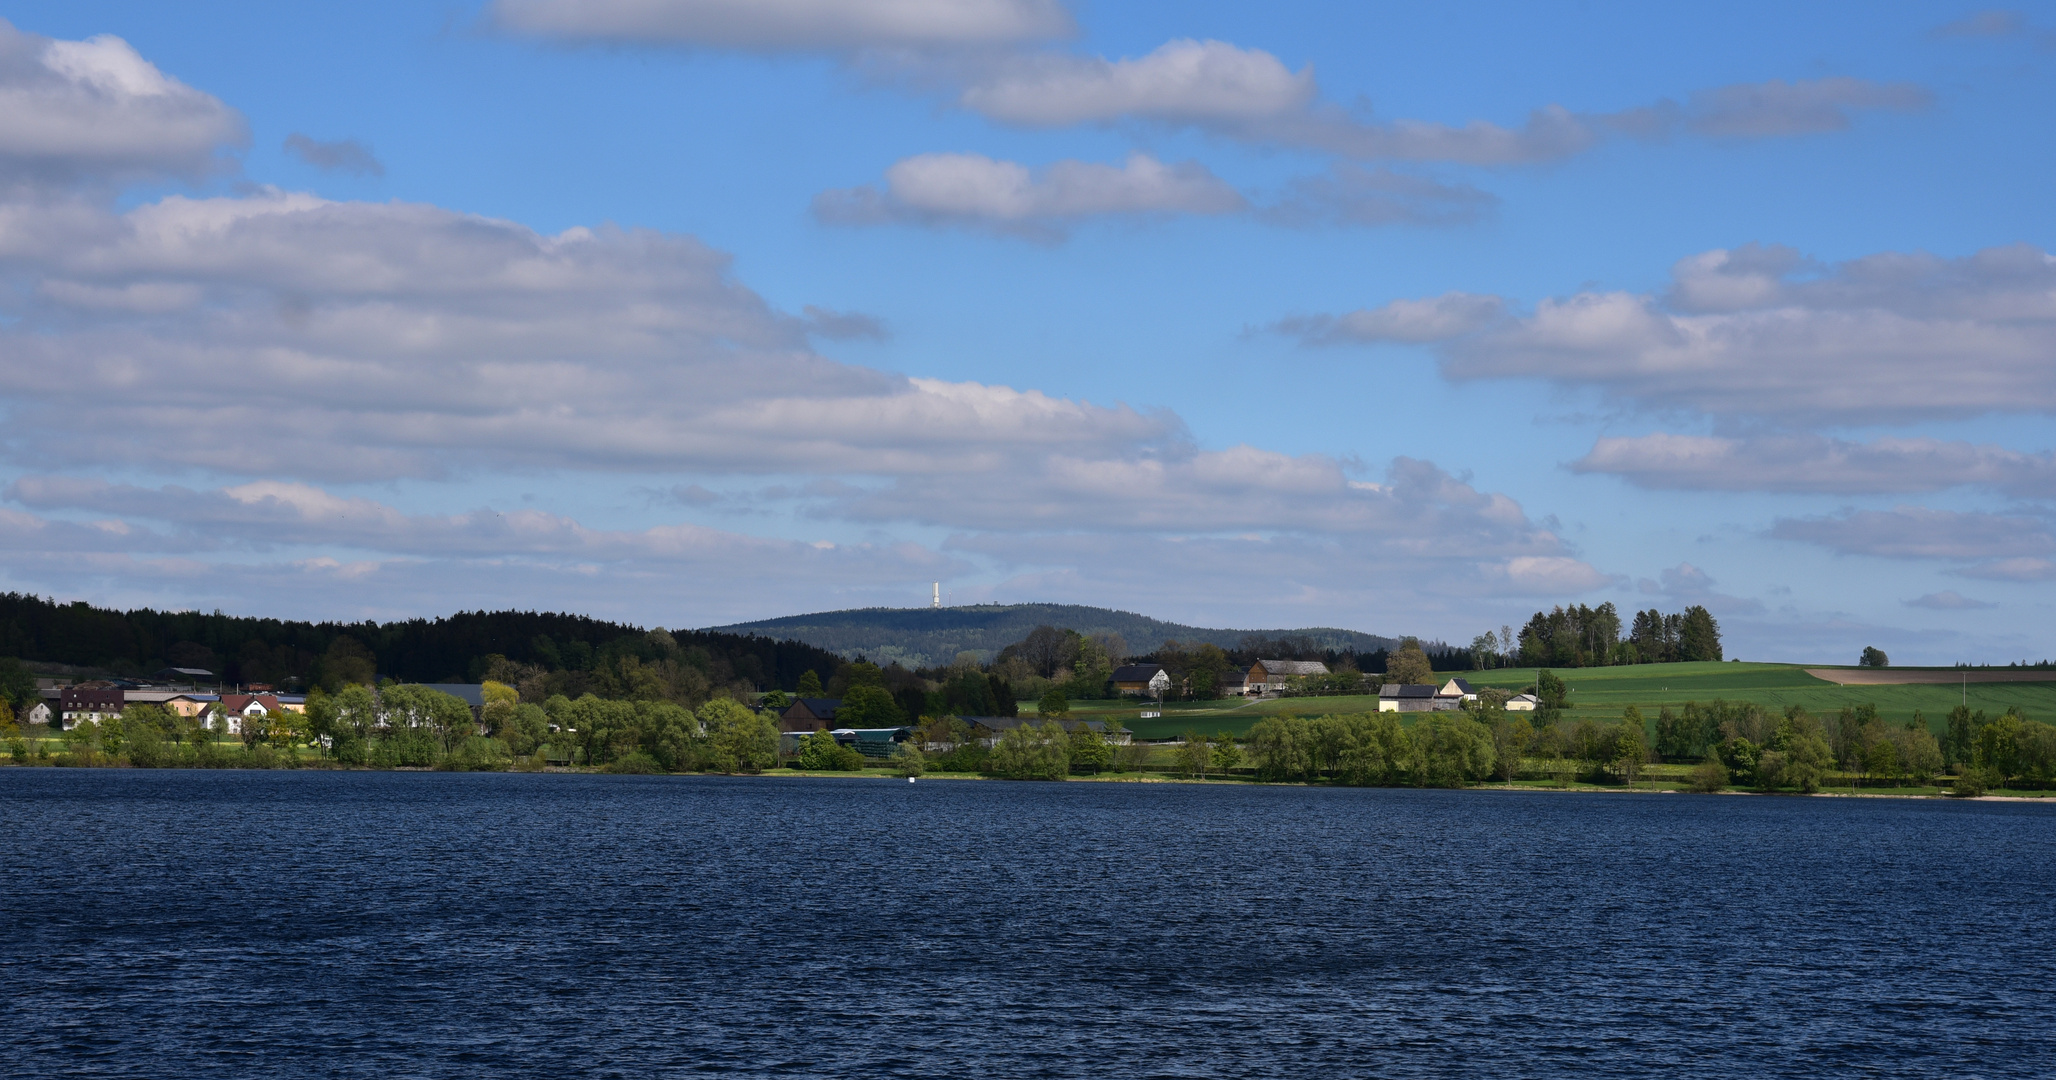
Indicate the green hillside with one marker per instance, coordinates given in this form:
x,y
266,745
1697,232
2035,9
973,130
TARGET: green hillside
x,y
1604,692
1601,694
922,637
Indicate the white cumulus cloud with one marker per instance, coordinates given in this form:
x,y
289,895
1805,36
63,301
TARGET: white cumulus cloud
x,y
95,109
1181,81
1004,196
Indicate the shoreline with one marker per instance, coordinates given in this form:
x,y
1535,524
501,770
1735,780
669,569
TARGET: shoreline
x,y
1113,778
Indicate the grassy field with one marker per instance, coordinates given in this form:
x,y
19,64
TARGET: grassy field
x,y
1601,694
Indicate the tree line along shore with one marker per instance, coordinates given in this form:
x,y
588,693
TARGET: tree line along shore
x,y
1712,746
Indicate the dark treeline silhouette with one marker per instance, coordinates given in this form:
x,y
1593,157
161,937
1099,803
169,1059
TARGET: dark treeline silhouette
x,y
1583,636
459,648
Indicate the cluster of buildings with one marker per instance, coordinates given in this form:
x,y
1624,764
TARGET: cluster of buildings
x,y
1263,677
63,705
1427,697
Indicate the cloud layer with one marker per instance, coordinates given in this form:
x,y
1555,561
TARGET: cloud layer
x,y
1816,464
282,345
1762,332
1996,546
780,25
977,192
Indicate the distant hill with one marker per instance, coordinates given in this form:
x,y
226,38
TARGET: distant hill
x,y
925,637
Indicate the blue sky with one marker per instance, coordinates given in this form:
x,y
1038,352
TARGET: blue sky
x,y
695,311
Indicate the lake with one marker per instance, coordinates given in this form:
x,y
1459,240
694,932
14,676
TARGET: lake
x,y
195,924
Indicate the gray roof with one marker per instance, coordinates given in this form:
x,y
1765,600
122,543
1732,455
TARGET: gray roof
x,y
1407,690
1136,672
823,708
470,693
1294,667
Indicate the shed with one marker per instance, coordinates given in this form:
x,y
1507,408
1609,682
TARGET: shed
x,y
1412,697
873,742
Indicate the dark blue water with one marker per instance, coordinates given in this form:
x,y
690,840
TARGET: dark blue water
x,y
187,924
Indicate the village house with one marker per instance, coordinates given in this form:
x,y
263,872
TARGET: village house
x,y
1458,691
809,714
235,707
470,693
1232,682
1272,676
95,703
1522,703
1426,697
1146,680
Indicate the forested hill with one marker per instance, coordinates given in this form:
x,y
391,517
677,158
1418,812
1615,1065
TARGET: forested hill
x,y
456,648
923,637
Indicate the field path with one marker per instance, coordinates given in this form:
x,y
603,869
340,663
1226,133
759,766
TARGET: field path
x,y
1938,676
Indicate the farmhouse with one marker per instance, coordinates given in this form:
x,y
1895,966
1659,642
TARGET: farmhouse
x,y
95,703
809,714
1270,676
1522,703
1148,680
1459,691
235,707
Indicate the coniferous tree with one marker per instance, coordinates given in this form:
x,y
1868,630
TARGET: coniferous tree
x,y
1698,635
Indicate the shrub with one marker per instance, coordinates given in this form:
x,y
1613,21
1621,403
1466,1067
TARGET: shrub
x,y
1975,782
820,752
1030,752
1450,749
912,762
1710,776
478,753
634,763
970,757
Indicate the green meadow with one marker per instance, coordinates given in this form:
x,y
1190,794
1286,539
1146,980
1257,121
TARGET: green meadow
x,y
1602,693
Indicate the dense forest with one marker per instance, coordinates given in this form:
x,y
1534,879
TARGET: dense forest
x,y
573,651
